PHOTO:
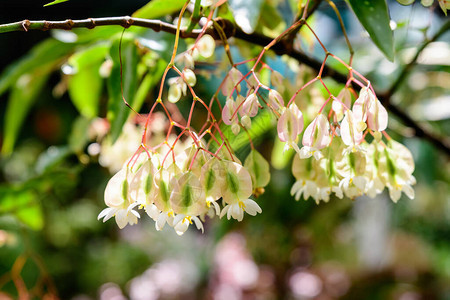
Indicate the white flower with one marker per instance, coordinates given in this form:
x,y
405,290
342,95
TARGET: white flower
x,y
118,201
181,223
236,190
236,210
163,217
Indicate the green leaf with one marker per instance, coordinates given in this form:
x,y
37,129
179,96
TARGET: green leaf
x,y
374,17
22,97
85,86
79,135
280,159
48,51
261,124
159,8
118,112
23,204
55,2
246,13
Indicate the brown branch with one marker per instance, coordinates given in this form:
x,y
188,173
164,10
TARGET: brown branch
x,y
255,38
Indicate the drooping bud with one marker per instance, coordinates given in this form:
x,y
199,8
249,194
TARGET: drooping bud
x,y
250,105
290,124
234,76
229,116
174,93
317,134
350,134
189,77
206,46
377,116
275,99
342,103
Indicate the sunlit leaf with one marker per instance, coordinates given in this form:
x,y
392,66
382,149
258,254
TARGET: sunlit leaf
x,y
85,85
374,17
24,205
158,8
246,13
55,2
118,112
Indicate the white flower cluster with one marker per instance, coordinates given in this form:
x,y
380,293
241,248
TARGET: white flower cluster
x,y
335,157
368,171
186,189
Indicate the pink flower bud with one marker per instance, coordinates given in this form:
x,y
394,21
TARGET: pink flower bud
x,y
275,100
228,111
361,105
250,106
290,124
233,77
317,134
377,117
350,134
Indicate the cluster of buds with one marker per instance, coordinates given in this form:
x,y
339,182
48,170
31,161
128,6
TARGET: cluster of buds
x,y
335,156
185,189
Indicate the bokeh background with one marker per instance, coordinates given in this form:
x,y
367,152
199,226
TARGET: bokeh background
x,y
52,244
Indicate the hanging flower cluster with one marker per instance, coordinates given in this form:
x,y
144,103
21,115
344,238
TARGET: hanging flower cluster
x,y
342,149
185,190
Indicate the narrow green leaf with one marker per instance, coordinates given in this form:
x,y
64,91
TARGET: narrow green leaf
x,y
374,17
118,112
85,86
55,2
22,97
159,8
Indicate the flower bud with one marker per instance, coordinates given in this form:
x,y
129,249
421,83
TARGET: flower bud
x,y
206,46
250,105
317,134
275,99
228,112
290,124
174,93
246,121
189,77
350,133
377,117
